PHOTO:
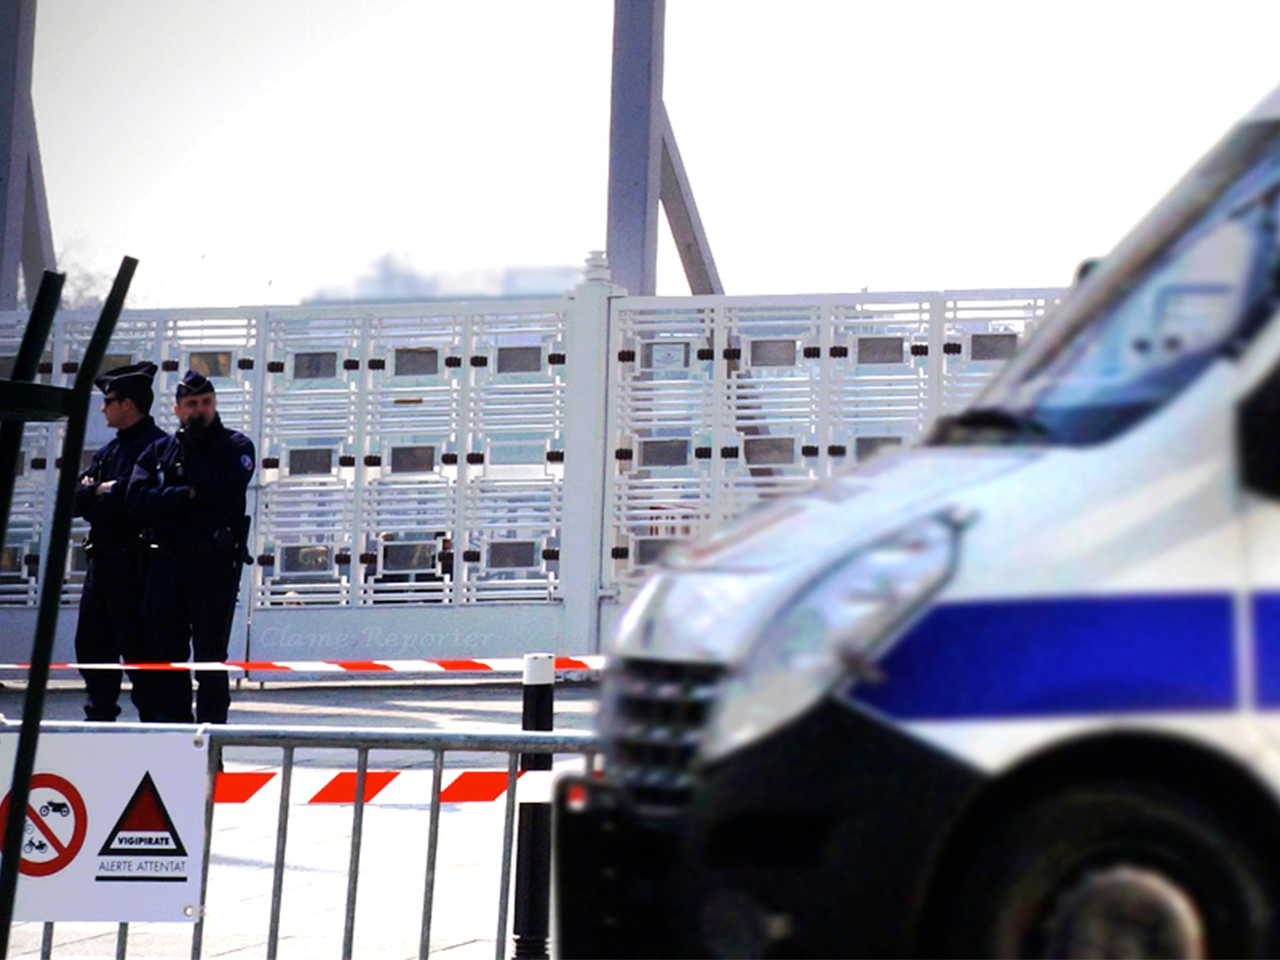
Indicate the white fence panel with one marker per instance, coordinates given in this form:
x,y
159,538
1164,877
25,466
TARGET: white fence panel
x,y
412,456
717,404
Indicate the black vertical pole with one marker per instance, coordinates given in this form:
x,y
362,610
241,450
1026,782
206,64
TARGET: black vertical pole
x,y
25,367
50,593
533,849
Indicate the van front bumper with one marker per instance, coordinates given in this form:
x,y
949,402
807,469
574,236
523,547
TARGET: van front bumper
x,y
817,841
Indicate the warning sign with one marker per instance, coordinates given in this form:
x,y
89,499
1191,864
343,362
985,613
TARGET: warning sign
x,y
54,830
115,825
144,843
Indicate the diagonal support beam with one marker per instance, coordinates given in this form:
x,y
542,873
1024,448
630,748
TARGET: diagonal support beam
x,y
682,216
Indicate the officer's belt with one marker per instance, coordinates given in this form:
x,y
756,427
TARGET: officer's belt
x,y
105,551
184,549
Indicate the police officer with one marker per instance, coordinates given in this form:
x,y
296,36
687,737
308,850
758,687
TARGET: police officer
x,y
189,492
110,607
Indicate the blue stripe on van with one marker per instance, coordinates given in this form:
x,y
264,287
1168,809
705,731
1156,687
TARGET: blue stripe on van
x,y
1266,632
1086,655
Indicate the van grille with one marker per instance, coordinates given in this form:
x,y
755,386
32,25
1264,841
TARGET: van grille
x,y
654,714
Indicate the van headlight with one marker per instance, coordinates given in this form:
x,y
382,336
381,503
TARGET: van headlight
x,y
832,628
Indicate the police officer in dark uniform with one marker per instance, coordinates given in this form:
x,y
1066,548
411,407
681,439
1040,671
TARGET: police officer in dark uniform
x,y
110,624
189,492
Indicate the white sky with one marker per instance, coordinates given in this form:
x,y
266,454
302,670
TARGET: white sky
x,y
255,151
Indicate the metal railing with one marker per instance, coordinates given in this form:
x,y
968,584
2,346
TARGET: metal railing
x,y
362,742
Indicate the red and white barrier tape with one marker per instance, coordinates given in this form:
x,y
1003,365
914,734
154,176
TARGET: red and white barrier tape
x,y
488,665
388,787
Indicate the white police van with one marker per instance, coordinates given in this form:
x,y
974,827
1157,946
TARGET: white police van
x,y
1015,692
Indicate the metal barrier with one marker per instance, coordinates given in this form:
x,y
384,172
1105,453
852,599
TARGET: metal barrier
x,y
362,742
423,490
718,403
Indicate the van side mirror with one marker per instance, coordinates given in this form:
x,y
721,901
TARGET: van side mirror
x,y
1258,437
1084,268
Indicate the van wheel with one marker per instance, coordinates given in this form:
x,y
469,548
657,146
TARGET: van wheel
x,y
1111,870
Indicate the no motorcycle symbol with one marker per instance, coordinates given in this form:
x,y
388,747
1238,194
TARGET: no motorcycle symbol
x,y
54,830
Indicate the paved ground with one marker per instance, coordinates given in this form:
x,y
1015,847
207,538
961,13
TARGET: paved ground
x,y
393,860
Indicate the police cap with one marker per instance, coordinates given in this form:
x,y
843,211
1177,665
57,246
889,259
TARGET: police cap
x,y
133,381
193,384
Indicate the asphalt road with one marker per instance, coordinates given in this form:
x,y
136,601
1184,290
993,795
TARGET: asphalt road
x,y
434,704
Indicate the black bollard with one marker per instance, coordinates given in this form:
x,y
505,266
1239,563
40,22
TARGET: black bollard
x,y
533,842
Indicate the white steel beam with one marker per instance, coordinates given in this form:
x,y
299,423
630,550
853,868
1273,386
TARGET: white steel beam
x,y
37,234
26,240
635,144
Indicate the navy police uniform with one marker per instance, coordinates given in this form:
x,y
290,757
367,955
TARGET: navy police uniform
x,y
110,625
189,492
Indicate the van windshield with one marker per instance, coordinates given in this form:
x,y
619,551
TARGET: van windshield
x,y
1187,286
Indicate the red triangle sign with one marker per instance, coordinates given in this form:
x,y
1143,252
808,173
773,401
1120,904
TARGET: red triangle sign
x,y
145,828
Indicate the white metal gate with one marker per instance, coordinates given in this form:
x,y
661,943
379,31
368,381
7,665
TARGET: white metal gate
x,y
476,479
716,403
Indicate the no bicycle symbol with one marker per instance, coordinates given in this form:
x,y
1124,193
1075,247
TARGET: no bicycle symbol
x,y
54,830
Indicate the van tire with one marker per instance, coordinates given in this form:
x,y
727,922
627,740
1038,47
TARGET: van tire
x,y
1111,869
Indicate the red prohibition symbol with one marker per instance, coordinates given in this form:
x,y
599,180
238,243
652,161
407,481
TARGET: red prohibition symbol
x,y
46,850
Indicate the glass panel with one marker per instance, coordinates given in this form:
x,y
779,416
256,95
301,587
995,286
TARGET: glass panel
x,y
519,359
305,461
773,353
413,459
651,549
211,363
664,357
312,558
315,366
664,453
770,449
993,346
111,361
417,362
880,349
11,560
512,553
517,453
409,556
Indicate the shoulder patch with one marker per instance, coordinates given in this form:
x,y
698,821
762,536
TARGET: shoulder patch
x,y
246,461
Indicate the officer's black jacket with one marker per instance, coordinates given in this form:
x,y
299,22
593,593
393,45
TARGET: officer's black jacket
x,y
217,465
111,528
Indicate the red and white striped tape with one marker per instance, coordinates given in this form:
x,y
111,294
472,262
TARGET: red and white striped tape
x,y
488,665
387,786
